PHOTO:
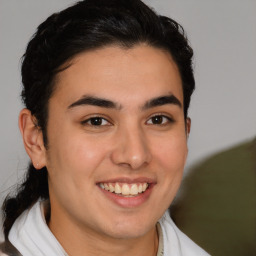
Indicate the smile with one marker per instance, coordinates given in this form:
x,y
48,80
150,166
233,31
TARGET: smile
x,y
125,189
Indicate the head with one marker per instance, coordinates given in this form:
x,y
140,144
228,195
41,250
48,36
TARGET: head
x,y
122,37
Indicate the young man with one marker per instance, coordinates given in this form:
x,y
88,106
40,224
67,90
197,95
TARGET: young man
x,y
107,86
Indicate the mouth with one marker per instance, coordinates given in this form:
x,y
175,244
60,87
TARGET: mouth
x,y
125,189
126,192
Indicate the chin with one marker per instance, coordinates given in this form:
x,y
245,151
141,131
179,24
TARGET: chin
x,y
127,229
128,233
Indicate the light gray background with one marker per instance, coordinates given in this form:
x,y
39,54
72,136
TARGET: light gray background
x,y
223,109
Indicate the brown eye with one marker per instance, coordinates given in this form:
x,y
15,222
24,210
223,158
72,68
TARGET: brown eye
x,y
96,121
159,120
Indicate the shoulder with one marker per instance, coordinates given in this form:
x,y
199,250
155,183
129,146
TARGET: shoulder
x,y
7,249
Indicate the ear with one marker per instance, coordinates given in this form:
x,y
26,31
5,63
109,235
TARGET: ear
x,y
32,138
188,126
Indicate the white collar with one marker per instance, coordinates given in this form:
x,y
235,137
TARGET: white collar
x,y
31,235
175,242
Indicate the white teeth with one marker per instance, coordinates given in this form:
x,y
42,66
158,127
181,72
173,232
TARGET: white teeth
x,y
134,189
124,188
106,186
118,189
111,188
144,186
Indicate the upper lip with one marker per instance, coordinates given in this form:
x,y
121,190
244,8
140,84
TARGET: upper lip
x,y
128,180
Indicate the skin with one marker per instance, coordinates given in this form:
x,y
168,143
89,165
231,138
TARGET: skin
x,y
129,144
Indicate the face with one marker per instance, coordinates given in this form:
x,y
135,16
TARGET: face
x,y
117,141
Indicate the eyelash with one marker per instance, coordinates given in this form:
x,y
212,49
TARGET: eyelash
x,y
164,120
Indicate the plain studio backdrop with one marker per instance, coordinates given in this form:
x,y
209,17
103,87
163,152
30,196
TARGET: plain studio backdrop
x,y
223,107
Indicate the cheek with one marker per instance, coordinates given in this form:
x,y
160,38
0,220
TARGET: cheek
x,y
169,161
81,155
73,166
74,159
172,152
171,158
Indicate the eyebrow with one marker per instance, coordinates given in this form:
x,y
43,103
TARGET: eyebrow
x,y
94,101
104,103
162,100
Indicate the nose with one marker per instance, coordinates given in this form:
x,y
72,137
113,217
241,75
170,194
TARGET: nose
x,y
131,149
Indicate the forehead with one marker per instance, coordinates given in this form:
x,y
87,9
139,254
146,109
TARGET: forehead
x,y
129,75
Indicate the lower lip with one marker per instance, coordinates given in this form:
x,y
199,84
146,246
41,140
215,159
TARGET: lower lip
x,y
128,202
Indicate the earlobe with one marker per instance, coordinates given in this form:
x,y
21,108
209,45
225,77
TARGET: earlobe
x,y
32,138
188,126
